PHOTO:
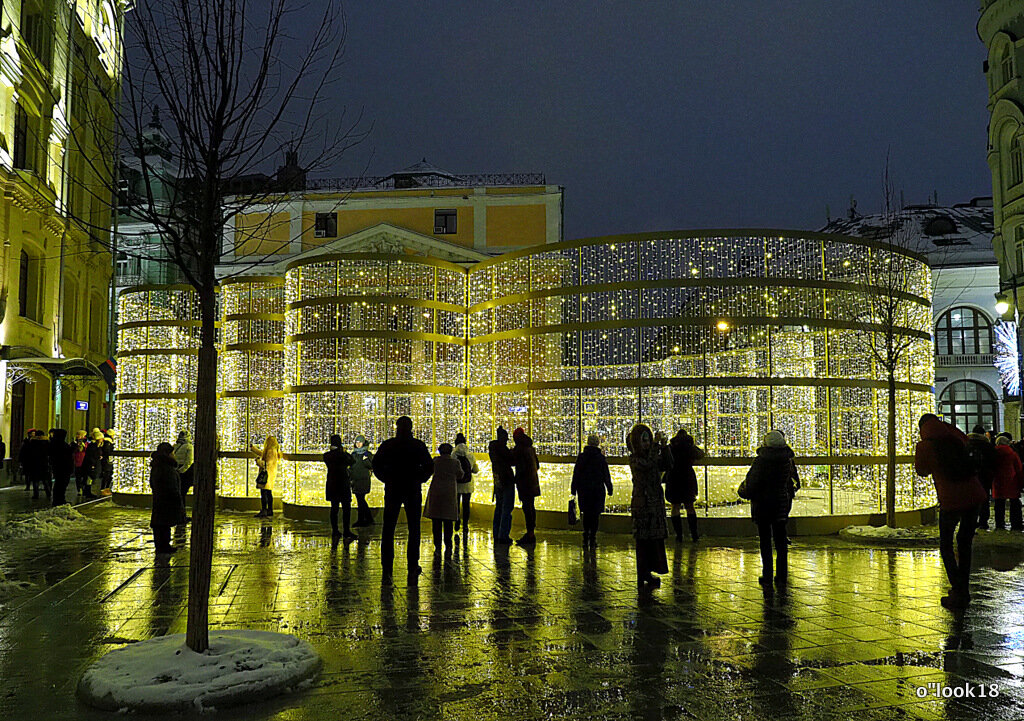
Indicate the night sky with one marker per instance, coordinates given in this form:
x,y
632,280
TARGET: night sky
x,y
682,114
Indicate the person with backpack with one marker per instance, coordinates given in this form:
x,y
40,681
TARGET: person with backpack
x,y
590,479
942,454
1007,484
469,468
681,483
982,454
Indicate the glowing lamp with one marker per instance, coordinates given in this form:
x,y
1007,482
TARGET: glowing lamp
x,y
722,325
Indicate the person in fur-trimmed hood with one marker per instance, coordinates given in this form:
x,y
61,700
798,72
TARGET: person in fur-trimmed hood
x,y
649,457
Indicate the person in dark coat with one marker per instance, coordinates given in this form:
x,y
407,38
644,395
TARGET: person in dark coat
x,y
168,507
79,453
681,482
504,485
982,452
649,458
94,458
37,463
771,483
403,464
108,462
590,479
942,454
23,454
524,458
62,464
442,505
361,474
339,489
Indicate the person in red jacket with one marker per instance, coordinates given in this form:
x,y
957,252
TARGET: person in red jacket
x,y
1007,483
942,454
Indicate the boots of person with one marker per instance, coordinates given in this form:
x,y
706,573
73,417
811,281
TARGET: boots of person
x,y
692,522
677,524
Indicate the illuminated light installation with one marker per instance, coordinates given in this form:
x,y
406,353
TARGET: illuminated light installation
x,y
727,334
1007,359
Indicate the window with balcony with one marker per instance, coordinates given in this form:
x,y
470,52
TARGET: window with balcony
x,y
963,331
967,404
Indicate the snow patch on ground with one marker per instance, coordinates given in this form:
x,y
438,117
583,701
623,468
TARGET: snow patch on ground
x,y
884,534
48,523
9,587
162,674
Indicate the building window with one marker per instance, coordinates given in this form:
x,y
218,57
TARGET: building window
x,y
1016,162
97,313
968,403
326,225
30,283
36,31
444,222
963,331
69,320
21,145
1005,66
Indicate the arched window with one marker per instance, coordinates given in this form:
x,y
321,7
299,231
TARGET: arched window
x,y
966,404
1016,162
963,331
1005,66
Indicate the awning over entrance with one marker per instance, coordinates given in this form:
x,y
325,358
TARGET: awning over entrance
x,y
63,367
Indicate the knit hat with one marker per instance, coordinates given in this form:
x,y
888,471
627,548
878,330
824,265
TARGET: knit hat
x,y
593,440
459,438
335,441
1002,440
445,449
774,439
517,433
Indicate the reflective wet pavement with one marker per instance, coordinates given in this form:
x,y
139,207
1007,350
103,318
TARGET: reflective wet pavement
x,y
548,633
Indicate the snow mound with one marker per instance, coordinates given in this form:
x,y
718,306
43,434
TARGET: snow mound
x,y
48,523
884,534
162,674
8,587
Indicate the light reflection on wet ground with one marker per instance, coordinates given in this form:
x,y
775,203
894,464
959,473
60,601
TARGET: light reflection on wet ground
x,y
550,633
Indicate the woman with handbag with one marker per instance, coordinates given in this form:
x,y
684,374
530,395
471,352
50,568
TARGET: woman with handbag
x,y
649,457
590,479
267,459
469,468
681,483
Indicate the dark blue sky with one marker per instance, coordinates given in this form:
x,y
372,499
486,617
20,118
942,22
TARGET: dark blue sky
x,y
681,114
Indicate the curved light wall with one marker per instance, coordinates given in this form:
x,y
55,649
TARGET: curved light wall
x,y
725,333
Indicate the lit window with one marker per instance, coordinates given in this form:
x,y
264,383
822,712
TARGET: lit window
x,y
326,225
967,404
961,331
444,222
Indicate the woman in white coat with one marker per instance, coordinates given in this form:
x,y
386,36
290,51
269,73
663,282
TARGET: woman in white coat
x,y
469,468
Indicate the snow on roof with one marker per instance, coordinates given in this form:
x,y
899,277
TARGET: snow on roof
x,y
952,236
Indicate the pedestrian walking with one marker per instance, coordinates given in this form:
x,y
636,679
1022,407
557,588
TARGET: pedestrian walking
x,y
770,485
361,473
79,455
267,458
3,461
37,463
503,470
982,454
168,506
403,464
442,505
1007,484
339,489
942,454
590,480
184,454
681,483
524,458
649,457
23,454
469,469
62,464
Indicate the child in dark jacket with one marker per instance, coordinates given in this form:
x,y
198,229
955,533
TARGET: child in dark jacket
x,y
590,479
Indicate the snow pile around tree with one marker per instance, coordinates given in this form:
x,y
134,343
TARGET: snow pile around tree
x,y
884,534
48,523
9,587
162,674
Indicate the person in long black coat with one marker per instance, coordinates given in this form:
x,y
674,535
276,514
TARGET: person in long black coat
x,y
168,506
590,479
504,474
339,486
403,464
37,463
771,483
681,482
62,464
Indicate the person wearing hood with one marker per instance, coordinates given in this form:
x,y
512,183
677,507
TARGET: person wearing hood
x,y
982,453
168,507
185,456
37,463
442,505
942,454
501,459
681,482
360,472
524,458
649,457
590,479
403,464
339,489
80,453
467,460
62,464
770,485
1007,484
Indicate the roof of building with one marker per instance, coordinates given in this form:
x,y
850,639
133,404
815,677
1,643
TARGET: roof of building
x,y
951,236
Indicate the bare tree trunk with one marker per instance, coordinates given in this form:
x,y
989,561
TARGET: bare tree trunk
x,y
205,464
890,476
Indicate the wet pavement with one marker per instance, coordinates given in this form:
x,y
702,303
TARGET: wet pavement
x,y
554,632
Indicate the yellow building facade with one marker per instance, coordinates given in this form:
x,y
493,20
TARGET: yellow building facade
x,y
60,66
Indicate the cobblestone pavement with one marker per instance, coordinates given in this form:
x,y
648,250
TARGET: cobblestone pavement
x,y
549,633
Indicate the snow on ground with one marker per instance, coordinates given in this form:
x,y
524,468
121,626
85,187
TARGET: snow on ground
x,y
162,674
48,523
884,534
9,587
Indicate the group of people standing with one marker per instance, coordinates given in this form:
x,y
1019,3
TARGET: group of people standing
x,y
49,461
